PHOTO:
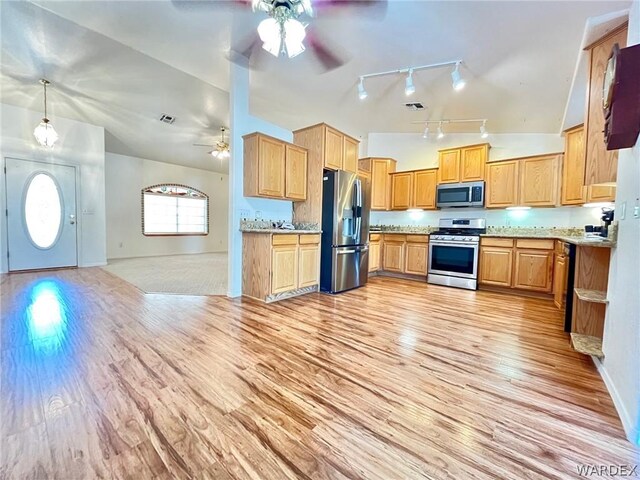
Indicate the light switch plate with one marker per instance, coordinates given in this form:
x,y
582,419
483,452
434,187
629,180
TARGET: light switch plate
x,y
623,211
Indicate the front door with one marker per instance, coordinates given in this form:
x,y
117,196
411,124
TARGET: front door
x,y
41,215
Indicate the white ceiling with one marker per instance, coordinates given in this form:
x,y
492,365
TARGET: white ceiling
x,y
520,58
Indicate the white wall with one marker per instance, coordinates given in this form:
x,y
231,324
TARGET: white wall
x,y
621,344
81,145
126,176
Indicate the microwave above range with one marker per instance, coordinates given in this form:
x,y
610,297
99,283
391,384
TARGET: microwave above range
x,y
466,194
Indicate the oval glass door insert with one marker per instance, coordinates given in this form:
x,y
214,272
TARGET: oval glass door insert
x,y
43,211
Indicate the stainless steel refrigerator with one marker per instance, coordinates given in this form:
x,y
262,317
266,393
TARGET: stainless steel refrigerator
x,y
346,201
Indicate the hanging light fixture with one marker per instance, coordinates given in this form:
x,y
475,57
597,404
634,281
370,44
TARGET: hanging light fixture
x,y
440,132
425,134
409,87
483,130
362,93
457,81
281,33
222,147
45,134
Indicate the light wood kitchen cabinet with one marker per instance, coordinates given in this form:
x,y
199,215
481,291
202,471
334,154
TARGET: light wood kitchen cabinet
x,y
295,172
393,255
401,190
379,170
449,166
416,258
539,181
560,280
601,165
573,190
601,193
424,189
334,148
350,154
496,266
374,252
274,168
280,265
533,270
502,184
463,164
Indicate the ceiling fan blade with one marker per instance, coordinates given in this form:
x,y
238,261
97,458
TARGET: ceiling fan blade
x,y
198,5
202,145
370,8
328,56
248,53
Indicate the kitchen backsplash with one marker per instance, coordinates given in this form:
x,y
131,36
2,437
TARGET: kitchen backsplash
x,y
268,224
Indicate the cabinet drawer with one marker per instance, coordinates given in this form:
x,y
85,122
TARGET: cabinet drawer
x,y
374,237
284,239
535,244
307,239
497,242
418,238
388,237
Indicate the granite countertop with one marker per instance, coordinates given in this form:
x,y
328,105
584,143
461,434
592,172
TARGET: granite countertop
x,y
279,231
400,232
574,239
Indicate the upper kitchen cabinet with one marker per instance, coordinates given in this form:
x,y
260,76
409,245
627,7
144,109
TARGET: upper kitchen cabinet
x,y
601,165
350,154
274,168
530,181
415,189
463,164
379,169
336,150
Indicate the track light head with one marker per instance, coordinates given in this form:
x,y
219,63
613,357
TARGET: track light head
x,y
457,81
362,93
483,130
440,132
409,87
425,134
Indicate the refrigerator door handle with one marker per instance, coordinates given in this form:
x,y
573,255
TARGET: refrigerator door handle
x,y
358,211
344,252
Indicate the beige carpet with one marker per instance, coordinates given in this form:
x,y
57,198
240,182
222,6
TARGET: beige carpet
x,y
198,274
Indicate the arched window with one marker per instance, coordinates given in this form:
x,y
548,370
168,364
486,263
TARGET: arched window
x,y
170,209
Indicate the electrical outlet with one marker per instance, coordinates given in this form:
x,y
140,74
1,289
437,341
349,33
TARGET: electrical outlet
x,y
258,214
244,213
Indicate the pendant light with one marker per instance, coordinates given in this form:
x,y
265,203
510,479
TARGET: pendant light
x,y
45,134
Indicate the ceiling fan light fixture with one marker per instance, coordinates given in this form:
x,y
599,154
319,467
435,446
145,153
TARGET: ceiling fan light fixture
x,y
409,87
294,33
269,32
457,81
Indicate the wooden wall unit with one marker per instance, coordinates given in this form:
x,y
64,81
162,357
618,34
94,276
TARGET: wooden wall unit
x,y
274,168
525,264
502,184
600,165
463,164
592,277
374,252
379,170
560,276
414,189
405,253
277,266
393,253
327,148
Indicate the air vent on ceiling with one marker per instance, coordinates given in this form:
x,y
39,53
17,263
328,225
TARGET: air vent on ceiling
x,y
414,106
167,118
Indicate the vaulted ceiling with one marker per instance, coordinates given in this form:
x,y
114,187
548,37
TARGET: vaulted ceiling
x,y
519,62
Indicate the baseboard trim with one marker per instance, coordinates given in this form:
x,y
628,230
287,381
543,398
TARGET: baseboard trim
x,y
95,264
631,430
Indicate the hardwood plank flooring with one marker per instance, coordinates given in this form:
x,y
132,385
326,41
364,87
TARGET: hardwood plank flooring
x,y
396,380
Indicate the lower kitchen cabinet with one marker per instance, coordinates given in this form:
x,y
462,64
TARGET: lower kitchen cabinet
x,y
393,256
533,270
416,258
560,280
405,253
496,266
280,265
374,252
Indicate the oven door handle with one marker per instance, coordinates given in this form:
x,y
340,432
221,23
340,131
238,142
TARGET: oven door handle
x,y
454,244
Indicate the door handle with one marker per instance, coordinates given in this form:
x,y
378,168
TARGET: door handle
x,y
72,219
343,252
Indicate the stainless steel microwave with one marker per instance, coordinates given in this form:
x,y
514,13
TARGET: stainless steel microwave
x,y
467,194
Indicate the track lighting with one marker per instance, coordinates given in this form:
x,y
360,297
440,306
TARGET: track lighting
x,y
426,132
362,93
440,132
483,130
457,80
409,88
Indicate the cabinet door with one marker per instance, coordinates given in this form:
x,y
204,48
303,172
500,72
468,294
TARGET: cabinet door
x,y
539,181
393,257
295,173
573,190
424,189
496,266
284,268
333,149
472,163
374,257
533,270
401,189
308,265
559,280
416,258
271,167
598,193
381,183
502,184
449,166
350,155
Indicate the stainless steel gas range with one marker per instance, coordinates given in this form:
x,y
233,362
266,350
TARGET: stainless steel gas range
x,y
453,252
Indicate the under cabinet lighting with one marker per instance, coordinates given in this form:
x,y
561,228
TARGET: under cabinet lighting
x,y
599,205
517,209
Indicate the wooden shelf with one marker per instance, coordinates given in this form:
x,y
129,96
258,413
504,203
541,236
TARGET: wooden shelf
x,y
587,344
593,296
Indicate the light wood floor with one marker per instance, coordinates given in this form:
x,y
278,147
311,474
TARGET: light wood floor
x,y
397,380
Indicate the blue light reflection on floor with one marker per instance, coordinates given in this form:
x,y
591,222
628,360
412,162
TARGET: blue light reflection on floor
x,y
47,316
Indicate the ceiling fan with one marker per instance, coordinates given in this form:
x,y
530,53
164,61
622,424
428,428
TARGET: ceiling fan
x,y
284,31
221,147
